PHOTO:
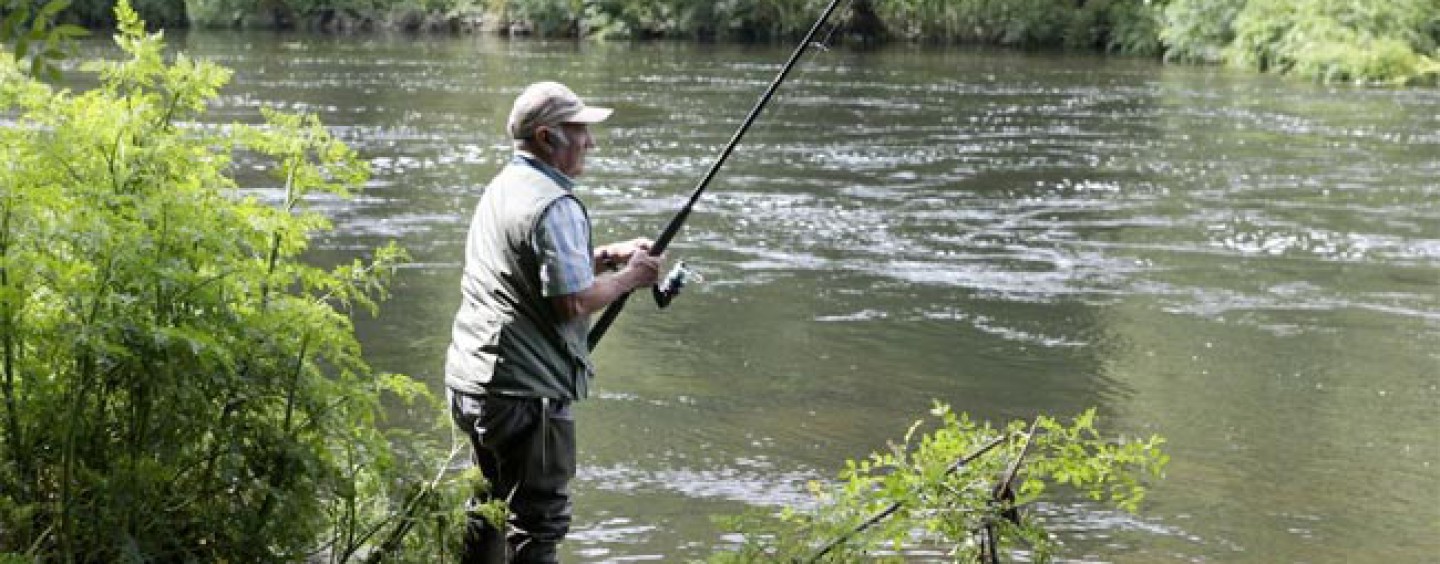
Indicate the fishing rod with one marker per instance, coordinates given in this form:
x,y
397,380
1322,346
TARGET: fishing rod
x,y
671,286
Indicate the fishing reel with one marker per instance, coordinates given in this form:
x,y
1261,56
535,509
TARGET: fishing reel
x,y
670,287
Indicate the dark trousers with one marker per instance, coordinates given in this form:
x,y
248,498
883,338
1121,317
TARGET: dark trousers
x,y
526,449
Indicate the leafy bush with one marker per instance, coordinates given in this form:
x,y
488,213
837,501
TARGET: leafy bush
x,y
178,385
938,491
1337,41
1198,30
748,20
765,19
39,42
1132,27
547,18
162,13
987,21
219,13
99,12
1128,26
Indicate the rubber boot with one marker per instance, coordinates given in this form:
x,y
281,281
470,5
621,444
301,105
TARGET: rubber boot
x,y
483,544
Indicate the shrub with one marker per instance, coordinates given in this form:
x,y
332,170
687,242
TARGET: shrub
x,y
939,491
1132,27
178,385
547,18
1198,30
1330,41
219,13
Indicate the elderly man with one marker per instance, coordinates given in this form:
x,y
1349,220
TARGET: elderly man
x,y
518,357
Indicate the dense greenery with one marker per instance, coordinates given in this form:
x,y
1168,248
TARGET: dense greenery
x,y
1394,40
919,495
177,384
39,42
1364,41
1361,40
338,15
100,13
1372,41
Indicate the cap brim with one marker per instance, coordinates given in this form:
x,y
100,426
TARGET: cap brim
x,y
591,114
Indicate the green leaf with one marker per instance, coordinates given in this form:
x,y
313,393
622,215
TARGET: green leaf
x,y
37,29
53,7
11,26
70,31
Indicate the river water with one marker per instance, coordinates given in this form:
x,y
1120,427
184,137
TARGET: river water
x,y
1246,265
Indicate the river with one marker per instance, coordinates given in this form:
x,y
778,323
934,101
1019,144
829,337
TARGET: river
x,y
1246,265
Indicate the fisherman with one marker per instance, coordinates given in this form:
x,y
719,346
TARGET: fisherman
x,y
518,358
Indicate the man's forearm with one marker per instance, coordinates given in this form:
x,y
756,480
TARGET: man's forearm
x,y
607,288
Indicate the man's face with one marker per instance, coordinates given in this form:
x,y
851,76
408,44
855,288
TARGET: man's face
x,y
570,158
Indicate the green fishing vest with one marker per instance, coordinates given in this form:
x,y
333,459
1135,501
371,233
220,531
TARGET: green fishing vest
x,y
507,338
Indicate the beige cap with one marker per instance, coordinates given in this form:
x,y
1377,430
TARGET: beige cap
x,y
549,103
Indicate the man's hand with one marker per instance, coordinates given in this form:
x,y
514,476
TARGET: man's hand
x,y
614,255
641,269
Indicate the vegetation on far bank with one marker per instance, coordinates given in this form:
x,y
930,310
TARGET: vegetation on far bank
x,y
1369,41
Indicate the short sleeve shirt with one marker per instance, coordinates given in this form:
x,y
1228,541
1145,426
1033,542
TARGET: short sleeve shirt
x,y
562,241
561,238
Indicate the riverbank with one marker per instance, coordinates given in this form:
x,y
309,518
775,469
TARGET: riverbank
x,y
1368,41
336,20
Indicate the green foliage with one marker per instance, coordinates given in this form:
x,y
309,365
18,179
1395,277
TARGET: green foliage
x,y
761,19
938,504
1365,41
1131,27
174,13
548,18
178,385
219,13
98,13
1337,41
1117,25
40,43
162,13
1127,26
1022,22
635,19
1198,30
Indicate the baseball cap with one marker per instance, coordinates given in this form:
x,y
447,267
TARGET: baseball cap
x,y
549,103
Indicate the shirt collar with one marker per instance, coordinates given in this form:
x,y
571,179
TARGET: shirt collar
x,y
528,158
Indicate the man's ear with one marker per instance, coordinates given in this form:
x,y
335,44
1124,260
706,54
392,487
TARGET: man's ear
x,y
543,138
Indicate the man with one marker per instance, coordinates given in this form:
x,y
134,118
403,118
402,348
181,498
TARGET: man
x,y
518,357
